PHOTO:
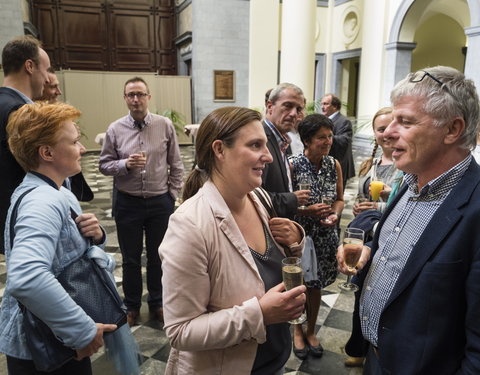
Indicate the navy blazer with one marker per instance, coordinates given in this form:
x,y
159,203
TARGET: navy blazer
x,y
12,173
275,179
431,322
342,146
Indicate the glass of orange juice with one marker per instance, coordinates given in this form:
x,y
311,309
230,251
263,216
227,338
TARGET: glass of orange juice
x,y
376,186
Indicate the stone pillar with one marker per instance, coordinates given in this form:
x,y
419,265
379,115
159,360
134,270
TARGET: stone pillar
x,y
473,55
372,58
297,60
263,50
398,65
11,21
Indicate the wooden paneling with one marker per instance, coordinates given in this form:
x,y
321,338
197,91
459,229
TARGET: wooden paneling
x,y
115,35
132,38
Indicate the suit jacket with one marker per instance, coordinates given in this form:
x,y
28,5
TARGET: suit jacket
x,y
12,173
431,322
211,288
275,179
342,145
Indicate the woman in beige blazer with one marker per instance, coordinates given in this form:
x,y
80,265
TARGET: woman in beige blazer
x,y
225,306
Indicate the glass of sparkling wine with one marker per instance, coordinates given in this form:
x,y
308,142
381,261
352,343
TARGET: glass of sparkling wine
x,y
144,155
352,250
303,184
292,277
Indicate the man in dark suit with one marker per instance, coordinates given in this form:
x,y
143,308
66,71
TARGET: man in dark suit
x,y
25,66
420,303
285,103
342,136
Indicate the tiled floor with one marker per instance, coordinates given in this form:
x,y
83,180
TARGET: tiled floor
x,y
334,318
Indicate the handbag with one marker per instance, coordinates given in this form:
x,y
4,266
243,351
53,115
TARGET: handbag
x,y
309,260
90,286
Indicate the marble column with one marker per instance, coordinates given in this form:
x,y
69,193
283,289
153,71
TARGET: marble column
x,y
372,58
297,61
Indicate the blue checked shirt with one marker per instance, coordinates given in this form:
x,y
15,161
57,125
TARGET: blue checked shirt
x,y
399,234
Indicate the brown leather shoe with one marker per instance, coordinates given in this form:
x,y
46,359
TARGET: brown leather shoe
x,y
354,361
157,313
132,317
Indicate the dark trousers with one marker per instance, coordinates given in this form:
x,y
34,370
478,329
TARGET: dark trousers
x,y
372,364
134,216
17,366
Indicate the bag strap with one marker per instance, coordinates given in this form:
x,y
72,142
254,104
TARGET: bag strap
x,y
13,216
266,201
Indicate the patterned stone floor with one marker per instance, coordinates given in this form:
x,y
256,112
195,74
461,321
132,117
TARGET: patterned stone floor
x,y
334,318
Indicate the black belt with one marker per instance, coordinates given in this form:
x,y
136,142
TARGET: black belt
x,y
139,196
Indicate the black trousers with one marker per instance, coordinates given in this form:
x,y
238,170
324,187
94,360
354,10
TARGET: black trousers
x,y
134,216
16,366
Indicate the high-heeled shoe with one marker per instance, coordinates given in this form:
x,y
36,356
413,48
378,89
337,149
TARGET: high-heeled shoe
x,y
301,353
316,351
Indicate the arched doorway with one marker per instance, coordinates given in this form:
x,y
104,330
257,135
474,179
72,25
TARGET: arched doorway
x,y
433,32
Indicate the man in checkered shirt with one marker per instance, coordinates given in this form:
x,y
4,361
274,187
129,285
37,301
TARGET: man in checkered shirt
x,y
419,306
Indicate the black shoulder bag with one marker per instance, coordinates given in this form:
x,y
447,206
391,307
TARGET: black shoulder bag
x,y
90,287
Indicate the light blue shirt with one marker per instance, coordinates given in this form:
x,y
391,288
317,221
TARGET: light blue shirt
x,y
46,240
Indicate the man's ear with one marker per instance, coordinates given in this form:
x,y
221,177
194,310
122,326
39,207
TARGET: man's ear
x,y
218,147
45,153
29,66
454,130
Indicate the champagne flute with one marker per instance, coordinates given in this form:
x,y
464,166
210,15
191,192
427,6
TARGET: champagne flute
x,y
304,183
144,155
328,200
292,277
352,250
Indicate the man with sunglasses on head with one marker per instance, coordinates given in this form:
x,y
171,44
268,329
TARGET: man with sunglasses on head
x,y
419,306
141,151
25,66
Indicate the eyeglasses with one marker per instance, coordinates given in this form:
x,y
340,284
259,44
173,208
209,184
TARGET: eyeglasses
x,y
416,77
139,95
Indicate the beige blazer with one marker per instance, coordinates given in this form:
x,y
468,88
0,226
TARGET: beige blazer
x,y
211,288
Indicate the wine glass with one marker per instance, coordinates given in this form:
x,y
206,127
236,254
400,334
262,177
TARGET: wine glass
x,y
144,155
328,200
352,250
304,183
292,277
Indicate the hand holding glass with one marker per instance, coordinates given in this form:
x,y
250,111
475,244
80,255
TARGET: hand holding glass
x,y
352,250
329,202
292,277
303,184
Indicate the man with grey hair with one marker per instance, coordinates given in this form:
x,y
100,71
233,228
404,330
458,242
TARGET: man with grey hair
x,y
419,307
285,103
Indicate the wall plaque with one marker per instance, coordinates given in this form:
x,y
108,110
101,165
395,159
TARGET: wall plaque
x,y
224,85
